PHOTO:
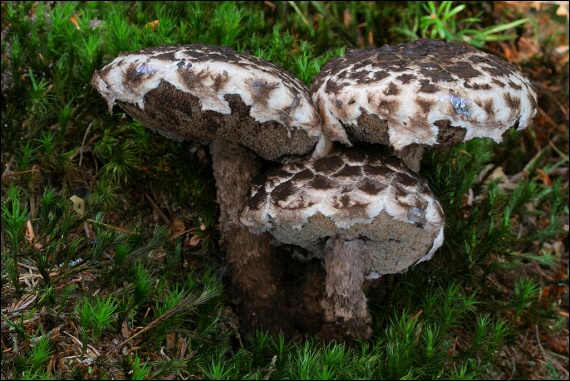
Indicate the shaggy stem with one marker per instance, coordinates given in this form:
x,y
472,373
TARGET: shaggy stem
x,y
254,269
411,155
345,308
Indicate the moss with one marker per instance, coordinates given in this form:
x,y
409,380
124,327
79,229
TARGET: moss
x,y
456,316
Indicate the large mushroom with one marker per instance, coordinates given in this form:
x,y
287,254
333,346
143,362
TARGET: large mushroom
x,y
423,93
242,106
365,214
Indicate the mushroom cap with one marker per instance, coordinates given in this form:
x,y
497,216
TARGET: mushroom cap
x,y
424,92
202,92
351,195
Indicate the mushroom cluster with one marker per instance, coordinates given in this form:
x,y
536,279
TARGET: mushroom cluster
x,y
361,208
364,214
244,108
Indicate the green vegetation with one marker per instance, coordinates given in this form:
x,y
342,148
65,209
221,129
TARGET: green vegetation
x,y
127,280
442,22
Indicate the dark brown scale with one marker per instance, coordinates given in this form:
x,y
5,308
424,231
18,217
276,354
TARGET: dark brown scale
x,y
320,182
329,164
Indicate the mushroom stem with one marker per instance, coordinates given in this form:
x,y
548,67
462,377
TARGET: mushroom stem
x,y
254,269
344,304
411,155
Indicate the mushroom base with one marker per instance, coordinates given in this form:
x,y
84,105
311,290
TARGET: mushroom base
x,y
273,291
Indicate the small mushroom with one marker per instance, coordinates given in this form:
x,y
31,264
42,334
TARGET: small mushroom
x,y
423,93
242,106
366,214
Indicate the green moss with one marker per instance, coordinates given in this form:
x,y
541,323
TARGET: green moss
x,y
119,274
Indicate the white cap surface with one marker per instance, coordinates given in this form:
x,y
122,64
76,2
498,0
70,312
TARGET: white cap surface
x,y
424,92
353,195
204,92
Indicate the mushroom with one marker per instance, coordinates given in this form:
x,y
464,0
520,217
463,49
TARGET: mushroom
x,y
208,93
365,214
423,93
240,105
